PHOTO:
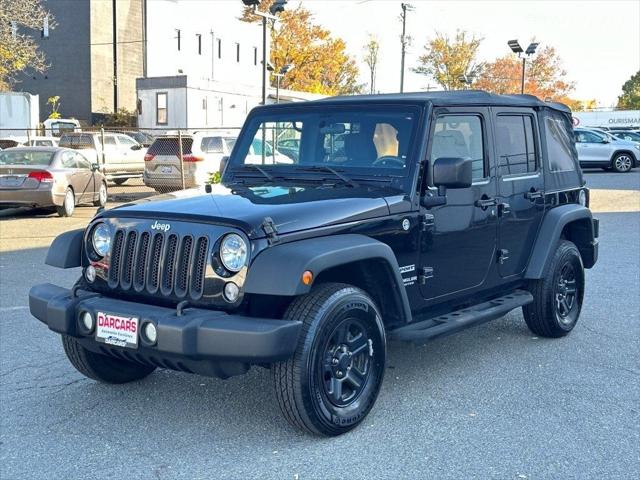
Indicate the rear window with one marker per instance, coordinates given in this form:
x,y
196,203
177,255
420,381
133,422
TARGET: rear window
x,y
559,142
212,145
76,141
25,157
169,146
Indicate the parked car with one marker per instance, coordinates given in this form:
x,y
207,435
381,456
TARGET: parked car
x,y
597,149
120,159
49,177
201,153
628,135
447,210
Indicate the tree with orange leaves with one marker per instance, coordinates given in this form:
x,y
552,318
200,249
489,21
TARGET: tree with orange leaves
x,y
321,62
544,76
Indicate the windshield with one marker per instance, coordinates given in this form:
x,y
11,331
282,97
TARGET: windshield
x,y
25,157
357,140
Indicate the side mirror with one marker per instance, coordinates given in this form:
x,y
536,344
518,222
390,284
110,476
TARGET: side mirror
x,y
223,163
95,167
449,172
606,140
137,146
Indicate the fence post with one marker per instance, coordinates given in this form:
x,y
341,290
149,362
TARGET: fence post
x,y
29,136
102,145
181,159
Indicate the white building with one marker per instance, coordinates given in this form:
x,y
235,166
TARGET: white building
x,y
203,66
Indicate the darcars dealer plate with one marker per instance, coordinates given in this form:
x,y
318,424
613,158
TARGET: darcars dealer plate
x,y
117,330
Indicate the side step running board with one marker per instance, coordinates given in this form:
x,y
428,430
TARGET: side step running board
x,y
460,319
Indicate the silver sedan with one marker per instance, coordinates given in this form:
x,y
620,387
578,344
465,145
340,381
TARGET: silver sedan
x,y
49,177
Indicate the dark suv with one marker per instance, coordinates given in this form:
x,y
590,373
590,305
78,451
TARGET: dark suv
x,y
403,217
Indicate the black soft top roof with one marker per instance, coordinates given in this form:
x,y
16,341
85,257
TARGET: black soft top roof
x,y
448,99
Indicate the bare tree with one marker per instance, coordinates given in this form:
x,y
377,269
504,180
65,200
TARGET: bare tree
x,y
19,21
371,59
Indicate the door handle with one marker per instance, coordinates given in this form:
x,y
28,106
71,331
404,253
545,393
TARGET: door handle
x,y
485,202
533,194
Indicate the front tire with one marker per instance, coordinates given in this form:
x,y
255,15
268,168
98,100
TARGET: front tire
x,y
101,367
68,205
332,381
622,163
557,296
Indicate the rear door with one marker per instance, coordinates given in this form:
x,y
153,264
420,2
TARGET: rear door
x,y
458,242
85,178
520,186
132,154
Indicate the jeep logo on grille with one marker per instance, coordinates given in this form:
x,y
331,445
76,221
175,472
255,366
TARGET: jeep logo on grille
x,y
165,227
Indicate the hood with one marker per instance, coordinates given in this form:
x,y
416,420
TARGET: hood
x,y
292,208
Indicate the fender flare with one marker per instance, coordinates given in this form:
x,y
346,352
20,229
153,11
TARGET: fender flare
x,y
555,220
278,269
66,250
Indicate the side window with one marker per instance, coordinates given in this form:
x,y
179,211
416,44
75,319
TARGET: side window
x,y
69,160
109,141
559,143
459,136
212,145
515,144
82,162
161,108
126,141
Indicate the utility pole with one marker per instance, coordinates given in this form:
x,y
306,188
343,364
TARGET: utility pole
x,y
405,7
115,56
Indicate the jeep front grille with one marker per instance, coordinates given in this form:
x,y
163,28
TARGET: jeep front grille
x,y
150,262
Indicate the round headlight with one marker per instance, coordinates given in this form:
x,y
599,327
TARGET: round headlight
x,y
101,239
233,252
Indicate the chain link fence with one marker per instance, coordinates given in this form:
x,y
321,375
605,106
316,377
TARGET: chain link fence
x,y
139,163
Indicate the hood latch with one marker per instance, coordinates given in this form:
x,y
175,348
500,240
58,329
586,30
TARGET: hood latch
x,y
270,230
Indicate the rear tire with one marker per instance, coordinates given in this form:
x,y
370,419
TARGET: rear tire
x,y
102,196
332,381
557,296
68,205
119,181
622,163
101,367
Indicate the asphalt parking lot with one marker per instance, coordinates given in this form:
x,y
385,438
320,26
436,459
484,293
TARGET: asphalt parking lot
x,y
491,402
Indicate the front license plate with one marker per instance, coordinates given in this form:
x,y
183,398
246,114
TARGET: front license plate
x,y
166,169
117,330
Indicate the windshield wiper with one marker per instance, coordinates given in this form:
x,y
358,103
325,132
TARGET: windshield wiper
x,y
326,168
266,174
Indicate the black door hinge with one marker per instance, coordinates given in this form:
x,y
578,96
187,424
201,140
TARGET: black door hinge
x,y
269,228
503,255
428,222
427,273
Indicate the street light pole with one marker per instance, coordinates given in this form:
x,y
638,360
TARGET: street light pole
x,y
524,66
403,39
516,48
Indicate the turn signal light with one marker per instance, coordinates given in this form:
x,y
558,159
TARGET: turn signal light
x,y
307,277
41,176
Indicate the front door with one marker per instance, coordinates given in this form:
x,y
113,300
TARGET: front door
x,y
592,147
520,186
458,241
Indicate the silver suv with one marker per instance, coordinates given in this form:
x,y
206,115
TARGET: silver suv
x,y
119,156
597,149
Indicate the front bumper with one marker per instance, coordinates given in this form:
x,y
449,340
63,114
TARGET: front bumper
x,y
207,342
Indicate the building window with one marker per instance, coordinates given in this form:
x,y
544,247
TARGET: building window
x,y
238,52
161,108
219,41
199,43
255,55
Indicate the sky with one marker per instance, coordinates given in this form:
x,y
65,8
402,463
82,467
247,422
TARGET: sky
x,y
598,41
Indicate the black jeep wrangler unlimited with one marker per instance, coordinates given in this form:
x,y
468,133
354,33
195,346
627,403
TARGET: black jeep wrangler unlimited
x,y
402,217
